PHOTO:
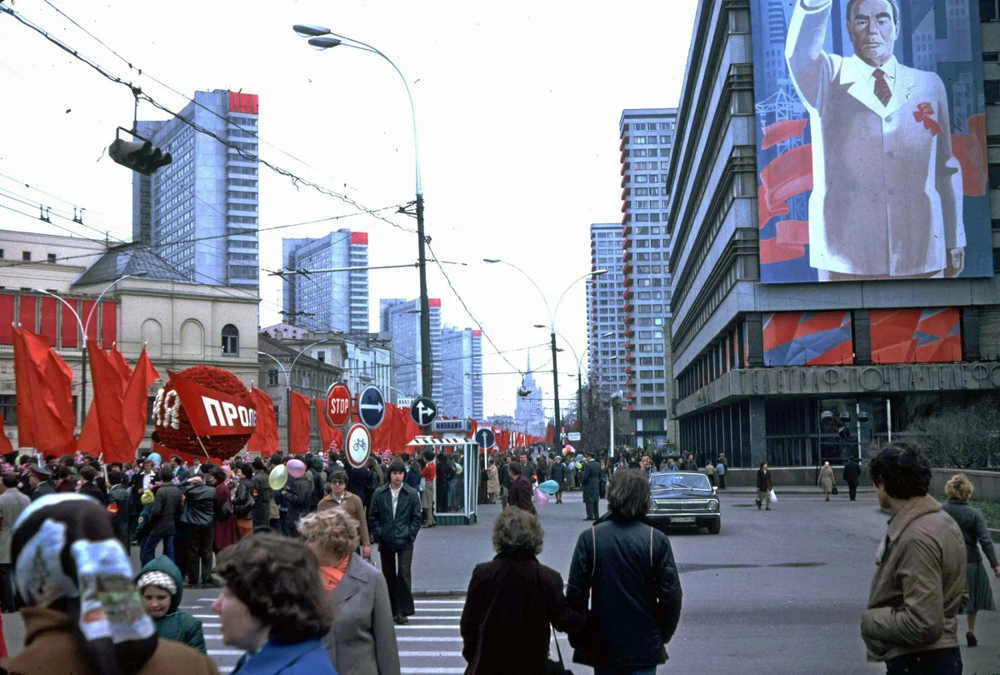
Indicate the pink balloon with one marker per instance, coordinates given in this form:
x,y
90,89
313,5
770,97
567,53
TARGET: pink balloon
x,y
226,470
296,468
541,499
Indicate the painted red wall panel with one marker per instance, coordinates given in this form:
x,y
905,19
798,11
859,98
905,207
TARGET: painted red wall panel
x,y
359,238
6,319
88,305
109,328
916,335
26,314
48,322
69,327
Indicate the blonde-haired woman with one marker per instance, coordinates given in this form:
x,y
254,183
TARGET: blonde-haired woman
x,y
825,480
959,490
362,639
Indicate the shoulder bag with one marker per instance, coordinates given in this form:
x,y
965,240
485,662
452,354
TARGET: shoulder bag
x,y
556,667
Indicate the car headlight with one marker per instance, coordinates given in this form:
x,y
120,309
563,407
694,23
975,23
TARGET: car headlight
x,y
713,505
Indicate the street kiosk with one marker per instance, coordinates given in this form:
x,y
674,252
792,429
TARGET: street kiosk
x,y
456,502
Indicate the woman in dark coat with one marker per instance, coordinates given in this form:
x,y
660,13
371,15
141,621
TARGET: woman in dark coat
x,y
623,570
445,472
764,487
559,473
976,534
512,600
225,524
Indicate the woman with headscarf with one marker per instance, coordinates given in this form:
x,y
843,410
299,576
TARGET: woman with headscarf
x,y
81,610
976,534
225,520
362,639
273,607
825,480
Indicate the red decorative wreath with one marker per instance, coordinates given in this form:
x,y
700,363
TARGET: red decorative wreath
x,y
183,438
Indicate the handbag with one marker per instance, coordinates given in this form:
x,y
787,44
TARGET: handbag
x,y
556,667
834,490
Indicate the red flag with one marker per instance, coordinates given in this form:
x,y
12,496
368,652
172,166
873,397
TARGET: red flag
x,y
136,402
121,366
5,447
90,436
265,438
325,430
108,407
298,424
44,381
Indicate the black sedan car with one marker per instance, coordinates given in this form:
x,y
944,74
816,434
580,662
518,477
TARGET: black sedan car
x,y
684,499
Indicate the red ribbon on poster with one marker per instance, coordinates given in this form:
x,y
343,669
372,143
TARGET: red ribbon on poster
x,y
213,413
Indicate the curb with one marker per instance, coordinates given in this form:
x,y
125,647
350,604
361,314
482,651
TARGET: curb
x,y
995,533
437,594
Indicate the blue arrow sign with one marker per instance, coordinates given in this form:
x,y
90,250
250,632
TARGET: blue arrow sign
x,y
371,406
486,438
423,411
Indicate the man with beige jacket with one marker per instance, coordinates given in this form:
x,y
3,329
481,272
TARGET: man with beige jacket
x,y
337,497
919,586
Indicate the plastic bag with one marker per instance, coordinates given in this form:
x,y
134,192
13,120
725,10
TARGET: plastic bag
x,y
771,497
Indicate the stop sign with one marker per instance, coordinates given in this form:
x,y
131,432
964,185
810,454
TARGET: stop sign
x,y
338,404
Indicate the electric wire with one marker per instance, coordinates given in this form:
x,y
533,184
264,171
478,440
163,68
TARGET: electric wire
x,y
140,95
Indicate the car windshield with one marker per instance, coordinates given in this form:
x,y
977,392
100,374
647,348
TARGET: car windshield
x,y
680,481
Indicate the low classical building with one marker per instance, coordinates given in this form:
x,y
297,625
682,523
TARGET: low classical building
x,y
132,299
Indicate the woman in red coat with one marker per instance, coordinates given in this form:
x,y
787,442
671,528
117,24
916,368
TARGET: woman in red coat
x,y
225,522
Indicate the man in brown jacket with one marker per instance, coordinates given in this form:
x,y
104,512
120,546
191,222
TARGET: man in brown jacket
x,y
919,584
337,497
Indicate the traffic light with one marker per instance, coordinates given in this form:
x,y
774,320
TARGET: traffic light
x,y
144,157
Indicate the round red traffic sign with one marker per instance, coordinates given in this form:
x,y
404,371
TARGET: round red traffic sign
x,y
359,445
338,404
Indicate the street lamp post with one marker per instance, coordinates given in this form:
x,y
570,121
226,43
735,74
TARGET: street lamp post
x,y
288,380
323,38
83,327
557,427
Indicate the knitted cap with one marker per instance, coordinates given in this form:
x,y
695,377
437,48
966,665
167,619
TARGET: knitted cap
x,y
158,579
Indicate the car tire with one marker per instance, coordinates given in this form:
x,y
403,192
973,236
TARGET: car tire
x,y
715,527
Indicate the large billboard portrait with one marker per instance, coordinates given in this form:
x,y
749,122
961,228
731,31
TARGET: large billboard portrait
x,y
871,137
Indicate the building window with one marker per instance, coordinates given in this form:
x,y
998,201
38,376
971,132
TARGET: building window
x,y
992,91
51,257
272,377
26,256
230,340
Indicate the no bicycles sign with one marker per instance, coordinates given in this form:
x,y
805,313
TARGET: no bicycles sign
x,y
359,445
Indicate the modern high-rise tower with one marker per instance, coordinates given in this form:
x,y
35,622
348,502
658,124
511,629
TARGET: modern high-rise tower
x,y
462,372
200,212
337,300
646,142
402,319
605,309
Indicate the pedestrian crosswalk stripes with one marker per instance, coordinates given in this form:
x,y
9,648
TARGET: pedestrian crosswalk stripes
x,y
431,643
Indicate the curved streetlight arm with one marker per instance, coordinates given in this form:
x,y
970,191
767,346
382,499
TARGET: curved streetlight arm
x,y
573,283
90,314
579,363
413,111
301,352
537,288
288,384
79,323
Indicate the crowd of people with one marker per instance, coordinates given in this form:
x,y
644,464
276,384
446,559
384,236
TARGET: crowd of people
x,y
288,542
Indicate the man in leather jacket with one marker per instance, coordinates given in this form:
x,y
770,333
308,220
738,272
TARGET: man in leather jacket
x,y
394,521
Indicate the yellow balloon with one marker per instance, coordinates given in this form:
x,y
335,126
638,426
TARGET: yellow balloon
x,y
278,477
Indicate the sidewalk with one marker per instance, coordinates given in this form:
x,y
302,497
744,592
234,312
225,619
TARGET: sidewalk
x,y
795,490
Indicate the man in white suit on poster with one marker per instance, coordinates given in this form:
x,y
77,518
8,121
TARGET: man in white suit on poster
x,y
887,191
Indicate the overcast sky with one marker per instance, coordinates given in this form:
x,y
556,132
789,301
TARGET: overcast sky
x,y
517,105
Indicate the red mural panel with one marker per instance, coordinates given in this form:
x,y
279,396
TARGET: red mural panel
x,y
48,322
916,335
359,238
6,319
109,332
69,327
26,314
88,307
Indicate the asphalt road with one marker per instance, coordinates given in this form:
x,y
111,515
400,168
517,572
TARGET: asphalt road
x,y
778,592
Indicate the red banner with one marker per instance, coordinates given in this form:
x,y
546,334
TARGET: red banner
x,y
782,131
213,413
265,437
